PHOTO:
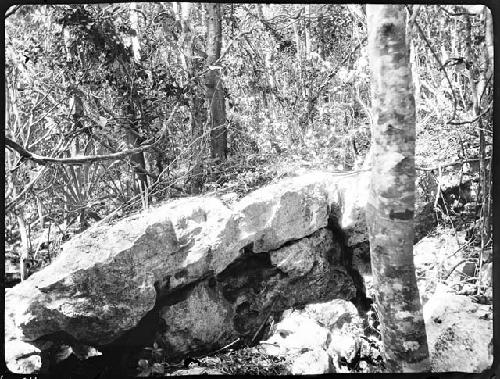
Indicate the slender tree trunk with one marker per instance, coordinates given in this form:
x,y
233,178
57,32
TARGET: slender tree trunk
x,y
134,24
193,66
475,92
264,11
391,201
307,33
41,217
487,77
78,112
307,50
133,140
413,54
213,82
299,64
489,42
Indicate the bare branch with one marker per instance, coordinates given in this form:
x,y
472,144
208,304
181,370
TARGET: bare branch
x,y
466,12
473,120
450,164
12,10
44,160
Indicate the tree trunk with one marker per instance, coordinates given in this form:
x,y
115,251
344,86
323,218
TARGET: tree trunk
x,y
213,82
25,243
41,217
487,78
413,53
138,160
78,112
391,200
475,92
134,25
307,34
488,41
193,65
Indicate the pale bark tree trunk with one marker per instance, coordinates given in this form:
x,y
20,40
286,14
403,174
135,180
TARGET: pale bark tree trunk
x,y
488,78
134,24
300,60
41,217
391,200
307,53
193,64
25,243
138,160
476,110
489,41
321,44
307,33
74,174
265,12
12,126
213,82
413,54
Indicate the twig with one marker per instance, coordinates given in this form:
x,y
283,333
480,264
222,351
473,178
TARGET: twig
x,y
453,268
456,13
226,347
474,119
12,10
264,322
451,164
460,248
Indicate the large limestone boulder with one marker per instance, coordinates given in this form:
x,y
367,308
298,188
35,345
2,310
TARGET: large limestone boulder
x,y
459,333
109,278
317,338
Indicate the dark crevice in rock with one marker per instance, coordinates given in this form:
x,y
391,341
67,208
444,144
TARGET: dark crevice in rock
x,y
247,261
56,346
166,296
361,302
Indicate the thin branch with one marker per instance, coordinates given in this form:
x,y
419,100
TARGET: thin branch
x,y
12,10
441,66
473,120
450,164
44,160
441,7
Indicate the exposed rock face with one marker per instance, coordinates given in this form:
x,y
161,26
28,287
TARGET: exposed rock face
x,y
313,362
458,339
193,258
317,337
237,302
